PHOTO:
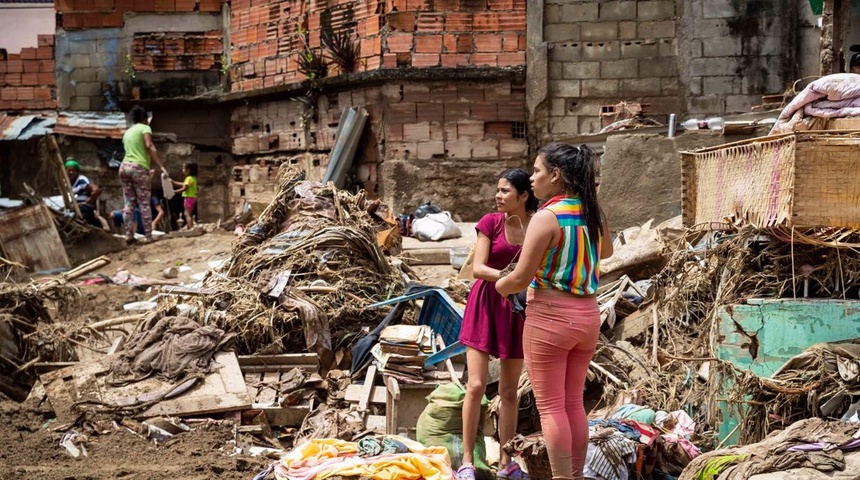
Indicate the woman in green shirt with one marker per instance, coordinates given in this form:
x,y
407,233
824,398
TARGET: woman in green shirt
x,y
135,174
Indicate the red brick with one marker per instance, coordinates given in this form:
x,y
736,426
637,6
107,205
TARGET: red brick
x,y
488,43
46,78
446,5
458,22
416,132
485,22
8,93
430,22
30,79
430,112
510,42
63,6
479,59
103,5
389,60
43,93
422,60
453,60
46,40
514,21
417,5
14,66
28,53
401,21
515,112
402,113
13,79
164,5
428,43
465,44
123,6
395,132
144,6
5,105
210,5
512,59
186,5
400,43
25,93
521,42
45,66
496,5
83,5
45,53
449,43
32,66
486,112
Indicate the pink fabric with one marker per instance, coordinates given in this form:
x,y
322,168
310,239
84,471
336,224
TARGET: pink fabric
x,y
828,97
489,324
559,340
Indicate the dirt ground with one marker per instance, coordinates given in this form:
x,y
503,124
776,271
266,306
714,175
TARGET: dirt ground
x,y
29,448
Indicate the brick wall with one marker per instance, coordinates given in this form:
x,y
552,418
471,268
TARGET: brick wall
x,y
83,14
267,36
177,51
27,78
687,57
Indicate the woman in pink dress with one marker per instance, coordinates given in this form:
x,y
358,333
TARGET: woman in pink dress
x,y
490,326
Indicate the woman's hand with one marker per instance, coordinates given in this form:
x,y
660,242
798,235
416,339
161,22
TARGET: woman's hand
x,y
542,232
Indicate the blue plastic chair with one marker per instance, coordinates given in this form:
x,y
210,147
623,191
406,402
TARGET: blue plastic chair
x,y
442,315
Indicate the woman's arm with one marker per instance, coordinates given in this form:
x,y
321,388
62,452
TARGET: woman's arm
x,y
542,230
606,247
150,147
479,262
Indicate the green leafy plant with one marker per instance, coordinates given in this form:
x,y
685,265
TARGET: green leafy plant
x,y
128,68
342,49
225,64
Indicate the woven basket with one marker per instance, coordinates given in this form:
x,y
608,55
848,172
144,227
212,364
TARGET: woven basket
x,y
803,180
532,450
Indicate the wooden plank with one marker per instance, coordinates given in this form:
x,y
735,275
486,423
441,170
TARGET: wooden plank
x,y
65,184
291,416
355,391
268,395
308,362
28,236
392,398
367,389
221,391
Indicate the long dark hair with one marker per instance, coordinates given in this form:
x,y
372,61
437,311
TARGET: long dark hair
x,y
577,167
519,179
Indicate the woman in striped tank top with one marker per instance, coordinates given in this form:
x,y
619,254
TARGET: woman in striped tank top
x,y
560,264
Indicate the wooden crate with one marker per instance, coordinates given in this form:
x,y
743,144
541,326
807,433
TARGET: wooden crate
x,y
802,180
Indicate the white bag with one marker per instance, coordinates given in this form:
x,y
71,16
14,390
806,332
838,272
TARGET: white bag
x,y
434,227
167,186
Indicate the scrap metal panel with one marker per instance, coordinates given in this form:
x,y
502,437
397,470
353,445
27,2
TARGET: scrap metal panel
x,y
28,236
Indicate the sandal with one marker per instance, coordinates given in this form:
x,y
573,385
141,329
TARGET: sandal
x,y
512,472
465,472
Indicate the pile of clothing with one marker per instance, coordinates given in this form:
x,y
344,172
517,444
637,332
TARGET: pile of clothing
x,y
831,96
811,443
381,458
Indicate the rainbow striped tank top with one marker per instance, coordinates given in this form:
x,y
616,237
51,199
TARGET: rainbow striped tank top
x,y
573,264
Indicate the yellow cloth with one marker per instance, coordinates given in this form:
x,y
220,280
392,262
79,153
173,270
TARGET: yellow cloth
x,y
430,463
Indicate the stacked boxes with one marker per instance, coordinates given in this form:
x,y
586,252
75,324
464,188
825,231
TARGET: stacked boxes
x,y
27,79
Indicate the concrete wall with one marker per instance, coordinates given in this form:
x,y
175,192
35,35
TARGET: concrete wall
x,y
641,176
691,57
92,61
21,24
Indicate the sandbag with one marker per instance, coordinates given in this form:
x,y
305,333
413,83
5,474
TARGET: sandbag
x,y
441,425
435,227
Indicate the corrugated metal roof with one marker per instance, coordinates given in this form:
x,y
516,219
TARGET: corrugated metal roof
x,y
91,124
25,127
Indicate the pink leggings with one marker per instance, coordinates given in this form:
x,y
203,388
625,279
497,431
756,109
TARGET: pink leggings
x,y
559,339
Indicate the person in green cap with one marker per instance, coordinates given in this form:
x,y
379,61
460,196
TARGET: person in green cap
x,y
86,192
135,174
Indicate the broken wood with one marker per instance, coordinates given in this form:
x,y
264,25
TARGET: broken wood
x,y
607,374
112,322
65,184
177,290
450,366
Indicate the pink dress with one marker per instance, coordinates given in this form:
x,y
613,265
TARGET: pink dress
x,y
489,324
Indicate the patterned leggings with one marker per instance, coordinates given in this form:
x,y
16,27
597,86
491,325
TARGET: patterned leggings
x,y
137,191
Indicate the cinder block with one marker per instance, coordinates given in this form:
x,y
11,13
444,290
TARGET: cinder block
x,y
487,148
640,87
564,125
658,9
600,88
430,112
713,67
470,130
659,67
558,107
513,148
601,51
668,47
711,28
430,149
626,30
670,85
624,10
415,92
562,32
566,52
85,47
589,125
640,49
437,131
722,47
719,9
581,12
79,103
552,15
596,31
79,61
695,86
721,85
662,29
555,71
458,149
707,105
581,70
565,88
627,68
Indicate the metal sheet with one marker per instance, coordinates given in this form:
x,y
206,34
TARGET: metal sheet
x,y
91,124
24,127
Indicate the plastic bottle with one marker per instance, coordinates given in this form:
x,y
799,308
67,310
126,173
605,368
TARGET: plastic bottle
x,y
713,123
